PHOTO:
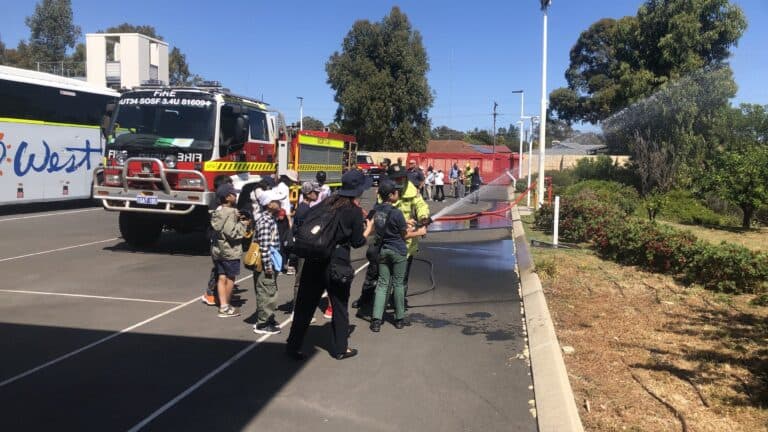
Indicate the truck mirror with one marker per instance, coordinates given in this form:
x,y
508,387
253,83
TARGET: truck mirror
x,y
105,119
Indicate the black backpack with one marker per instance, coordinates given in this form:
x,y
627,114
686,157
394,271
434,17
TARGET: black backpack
x,y
316,237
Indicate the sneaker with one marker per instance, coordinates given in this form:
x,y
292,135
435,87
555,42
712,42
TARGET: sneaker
x,y
208,300
328,314
290,270
266,328
228,312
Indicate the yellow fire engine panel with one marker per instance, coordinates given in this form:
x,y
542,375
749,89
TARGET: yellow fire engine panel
x,y
318,167
238,166
326,142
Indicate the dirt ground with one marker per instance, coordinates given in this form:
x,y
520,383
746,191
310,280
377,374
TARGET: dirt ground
x,y
650,354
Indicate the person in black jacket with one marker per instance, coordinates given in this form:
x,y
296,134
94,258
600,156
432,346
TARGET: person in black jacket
x,y
318,274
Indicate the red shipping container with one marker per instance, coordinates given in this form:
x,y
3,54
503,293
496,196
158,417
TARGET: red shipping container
x,y
492,166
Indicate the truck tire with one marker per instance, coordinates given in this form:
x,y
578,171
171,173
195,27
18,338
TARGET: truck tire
x,y
139,230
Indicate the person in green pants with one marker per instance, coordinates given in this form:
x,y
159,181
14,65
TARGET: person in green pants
x,y
391,230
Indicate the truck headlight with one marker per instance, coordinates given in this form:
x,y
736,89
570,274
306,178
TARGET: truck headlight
x,y
113,179
170,161
190,183
121,157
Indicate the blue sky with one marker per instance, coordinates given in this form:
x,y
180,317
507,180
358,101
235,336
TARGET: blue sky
x,y
479,52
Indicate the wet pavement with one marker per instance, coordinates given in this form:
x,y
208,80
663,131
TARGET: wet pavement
x,y
97,336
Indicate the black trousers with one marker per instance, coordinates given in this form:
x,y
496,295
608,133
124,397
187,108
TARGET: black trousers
x,y
439,193
314,280
365,301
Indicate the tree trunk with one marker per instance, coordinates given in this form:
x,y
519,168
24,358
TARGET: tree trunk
x,y
748,210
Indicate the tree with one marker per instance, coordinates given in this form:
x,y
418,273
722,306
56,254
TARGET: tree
x,y
146,30
479,136
311,123
615,63
381,85
2,52
52,30
740,177
178,69
446,133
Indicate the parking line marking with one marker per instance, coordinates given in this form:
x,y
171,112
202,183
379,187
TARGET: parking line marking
x,y
90,296
212,374
104,339
49,214
58,250
204,379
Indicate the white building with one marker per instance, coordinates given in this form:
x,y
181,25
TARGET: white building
x,y
120,60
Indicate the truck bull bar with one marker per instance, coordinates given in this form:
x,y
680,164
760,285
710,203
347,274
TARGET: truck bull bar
x,y
122,198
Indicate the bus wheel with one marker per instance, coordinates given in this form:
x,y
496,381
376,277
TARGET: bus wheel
x,y
139,230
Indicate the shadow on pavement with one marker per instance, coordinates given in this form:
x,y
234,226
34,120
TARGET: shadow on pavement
x,y
117,384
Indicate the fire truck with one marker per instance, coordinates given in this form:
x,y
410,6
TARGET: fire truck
x,y
166,145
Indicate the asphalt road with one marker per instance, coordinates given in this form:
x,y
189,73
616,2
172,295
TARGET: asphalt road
x,y
97,336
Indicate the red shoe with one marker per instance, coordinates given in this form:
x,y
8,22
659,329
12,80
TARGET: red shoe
x,y
328,312
208,300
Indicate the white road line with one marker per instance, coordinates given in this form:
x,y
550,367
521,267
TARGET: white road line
x,y
58,250
204,380
90,296
211,374
104,339
50,214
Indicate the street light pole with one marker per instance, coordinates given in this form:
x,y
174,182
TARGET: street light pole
x,y
530,157
520,132
494,126
301,112
543,117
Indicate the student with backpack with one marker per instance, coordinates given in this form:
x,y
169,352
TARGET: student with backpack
x,y
325,240
391,233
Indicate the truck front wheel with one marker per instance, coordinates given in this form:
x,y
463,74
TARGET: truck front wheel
x,y
139,230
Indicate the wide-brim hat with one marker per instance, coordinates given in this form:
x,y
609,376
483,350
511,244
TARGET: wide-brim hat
x,y
354,183
268,196
292,175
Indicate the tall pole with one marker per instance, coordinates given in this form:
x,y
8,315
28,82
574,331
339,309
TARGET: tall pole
x,y
520,152
494,126
301,112
530,156
543,117
520,132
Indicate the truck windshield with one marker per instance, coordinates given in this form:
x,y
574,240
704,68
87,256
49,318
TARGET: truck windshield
x,y
364,159
164,122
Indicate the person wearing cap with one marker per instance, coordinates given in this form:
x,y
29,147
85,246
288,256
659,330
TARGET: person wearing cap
x,y
228,231
323,191
265,282
318,274
287,180
210,297
391,234
467,178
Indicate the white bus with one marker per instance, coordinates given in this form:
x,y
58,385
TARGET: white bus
x,y
50,137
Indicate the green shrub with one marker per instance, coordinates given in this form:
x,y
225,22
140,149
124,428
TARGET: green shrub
x,y
728,268
599,168
562,180
682,207
625,197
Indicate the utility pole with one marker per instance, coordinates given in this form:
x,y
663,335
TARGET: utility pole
x,y
301,112
522,124
494,126
543,118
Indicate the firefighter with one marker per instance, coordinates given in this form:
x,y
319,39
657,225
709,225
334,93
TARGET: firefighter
x,y
467,178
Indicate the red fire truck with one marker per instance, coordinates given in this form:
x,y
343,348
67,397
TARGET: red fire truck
x,y
166,145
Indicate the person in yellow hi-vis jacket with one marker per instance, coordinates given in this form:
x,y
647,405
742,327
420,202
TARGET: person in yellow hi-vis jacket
x,y
415,210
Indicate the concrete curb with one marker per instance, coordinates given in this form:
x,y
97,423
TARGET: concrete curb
x,y
556,409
